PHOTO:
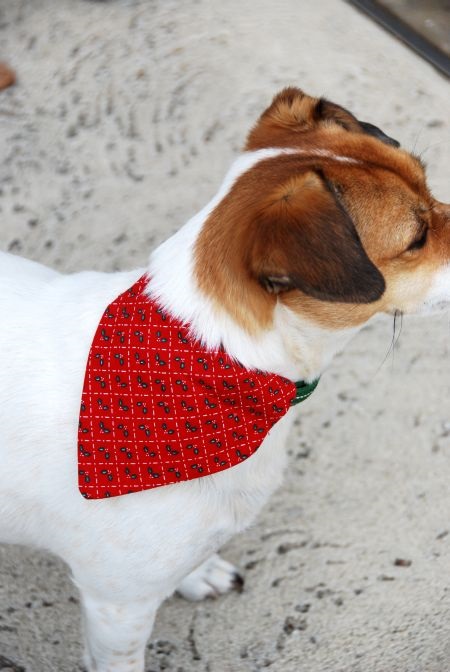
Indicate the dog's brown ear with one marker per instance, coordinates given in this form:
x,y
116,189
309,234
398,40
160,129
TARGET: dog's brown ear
x,y
328,111
304,239
290,110
293,111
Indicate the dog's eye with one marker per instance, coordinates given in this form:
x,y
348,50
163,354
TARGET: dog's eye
x,y
419,242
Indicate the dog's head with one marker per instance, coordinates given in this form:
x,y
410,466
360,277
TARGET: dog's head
x,y
332,219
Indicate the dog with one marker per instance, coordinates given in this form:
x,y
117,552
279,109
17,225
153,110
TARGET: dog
x,y
321,223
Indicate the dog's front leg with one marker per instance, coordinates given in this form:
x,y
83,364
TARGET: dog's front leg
x,y
213,577
116,633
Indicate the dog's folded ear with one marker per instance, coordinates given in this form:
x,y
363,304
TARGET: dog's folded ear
x,y
376,132
304,239
293,110
325,110
290,111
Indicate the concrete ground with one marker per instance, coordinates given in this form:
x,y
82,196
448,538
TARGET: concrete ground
x,y
125,116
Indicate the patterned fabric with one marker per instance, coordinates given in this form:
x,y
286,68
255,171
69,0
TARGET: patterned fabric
x,y
158,408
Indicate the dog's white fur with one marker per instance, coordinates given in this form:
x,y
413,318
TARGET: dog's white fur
x,y
127,554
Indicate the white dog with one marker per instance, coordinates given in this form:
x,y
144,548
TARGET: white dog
x,y
320,224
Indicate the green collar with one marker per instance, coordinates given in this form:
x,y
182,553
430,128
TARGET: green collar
x,y
304,390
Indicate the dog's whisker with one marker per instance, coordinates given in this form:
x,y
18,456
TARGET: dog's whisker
x,y
398,316
394,340
413,151
434,144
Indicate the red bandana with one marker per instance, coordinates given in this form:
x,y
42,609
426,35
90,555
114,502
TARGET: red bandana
x,y
158,408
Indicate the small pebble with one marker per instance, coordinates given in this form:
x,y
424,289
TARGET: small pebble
x,y
401,562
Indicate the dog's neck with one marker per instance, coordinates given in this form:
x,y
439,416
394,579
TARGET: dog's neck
x,y
292,347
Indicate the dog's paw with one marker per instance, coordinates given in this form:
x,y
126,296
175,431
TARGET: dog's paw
x,y
213,578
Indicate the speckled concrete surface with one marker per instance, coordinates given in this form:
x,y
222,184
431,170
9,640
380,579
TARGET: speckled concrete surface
x,y
125,116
